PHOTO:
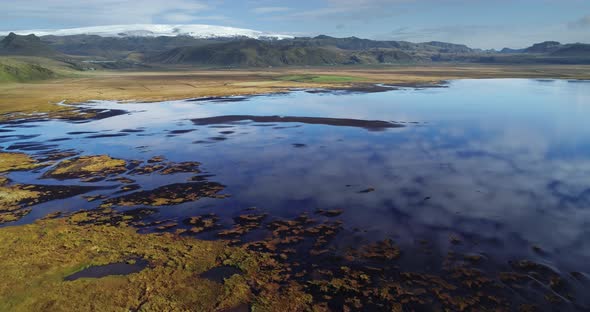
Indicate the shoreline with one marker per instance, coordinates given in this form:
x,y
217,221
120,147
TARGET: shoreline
x,y
42,97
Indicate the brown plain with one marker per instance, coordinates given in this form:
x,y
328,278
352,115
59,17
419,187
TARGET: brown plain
x,y
148,86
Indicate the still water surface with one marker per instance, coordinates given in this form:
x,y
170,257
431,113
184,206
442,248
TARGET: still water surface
x,y
502,164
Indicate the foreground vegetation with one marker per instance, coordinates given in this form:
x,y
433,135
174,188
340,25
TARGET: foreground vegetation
x,y
35,260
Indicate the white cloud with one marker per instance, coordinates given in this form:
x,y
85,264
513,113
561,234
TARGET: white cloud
x,y
266,10
178,17
101,12
583,22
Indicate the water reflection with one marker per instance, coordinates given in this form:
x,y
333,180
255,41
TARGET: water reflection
x,y
501,163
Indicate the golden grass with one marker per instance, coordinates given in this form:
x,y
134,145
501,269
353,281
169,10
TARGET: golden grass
x,y
35,259
88,166
180,84
16,161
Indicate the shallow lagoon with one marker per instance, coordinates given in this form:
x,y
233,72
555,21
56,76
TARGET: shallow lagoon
x,y
498,168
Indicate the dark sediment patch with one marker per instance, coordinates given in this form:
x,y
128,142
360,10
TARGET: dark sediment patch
x,y
218,138
109,135
373,125
219,274
118,268
80,132
329,213
220,127
20,126
358,88
201,178
287,127
132,130
181,131
219,99
12,138
59,140
31,146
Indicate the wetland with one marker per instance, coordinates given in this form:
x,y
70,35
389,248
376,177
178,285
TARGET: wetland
x,y
472,195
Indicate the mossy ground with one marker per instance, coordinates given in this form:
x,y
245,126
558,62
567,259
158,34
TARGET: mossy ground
x,y
35,259
16,161
87,167
12,196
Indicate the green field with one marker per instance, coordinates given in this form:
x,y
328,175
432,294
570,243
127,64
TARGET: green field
x,y
30,68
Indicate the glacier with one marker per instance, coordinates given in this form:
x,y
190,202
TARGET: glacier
x,y
155,30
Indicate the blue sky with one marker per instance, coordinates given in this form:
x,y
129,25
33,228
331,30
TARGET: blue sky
x,y
477,23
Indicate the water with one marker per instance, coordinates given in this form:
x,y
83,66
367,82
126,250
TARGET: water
x,y
504,164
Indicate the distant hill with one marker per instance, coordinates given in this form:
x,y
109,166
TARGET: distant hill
x,y
573,50
252,53
22,71
29,45
116,47
354,43
130,49
544,47
509,51
256,53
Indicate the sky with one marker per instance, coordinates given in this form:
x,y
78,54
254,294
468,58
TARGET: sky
x,y
483,24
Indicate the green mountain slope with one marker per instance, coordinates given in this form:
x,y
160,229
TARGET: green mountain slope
x,y
21,71
256,53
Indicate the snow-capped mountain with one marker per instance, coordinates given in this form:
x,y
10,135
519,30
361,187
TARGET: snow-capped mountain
x,y
155,30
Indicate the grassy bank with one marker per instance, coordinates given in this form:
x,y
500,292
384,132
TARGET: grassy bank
x,y
158,85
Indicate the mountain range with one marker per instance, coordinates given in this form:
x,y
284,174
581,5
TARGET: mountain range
x,y
215,46
156,30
